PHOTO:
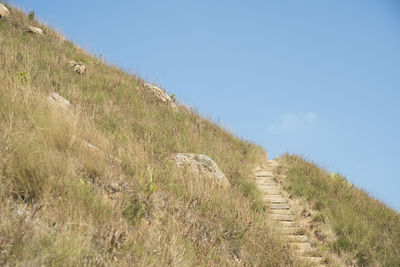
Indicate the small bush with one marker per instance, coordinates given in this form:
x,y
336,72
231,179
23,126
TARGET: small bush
x,y
31,15
319,218
23,77
135,209
319,205
342,244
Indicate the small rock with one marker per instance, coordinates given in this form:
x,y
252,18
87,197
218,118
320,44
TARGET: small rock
x,y
58,100
78,67
4,13
35,30
203,165
161,95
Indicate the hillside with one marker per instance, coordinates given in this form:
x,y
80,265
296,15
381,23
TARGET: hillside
x,y
63,204
344,219
93,180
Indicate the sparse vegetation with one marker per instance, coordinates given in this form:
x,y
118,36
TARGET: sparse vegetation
x,y
173,97
367,232
31,15
64,204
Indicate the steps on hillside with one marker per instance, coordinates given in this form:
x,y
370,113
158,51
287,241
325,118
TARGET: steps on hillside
x,y
281,213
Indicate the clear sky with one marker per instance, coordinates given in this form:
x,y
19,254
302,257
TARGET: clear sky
x,y
316,78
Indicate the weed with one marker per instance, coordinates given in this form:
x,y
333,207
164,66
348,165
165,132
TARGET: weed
x,y
23,77
319,205
148,183
173,97
135,209
342,244
319,218
31,15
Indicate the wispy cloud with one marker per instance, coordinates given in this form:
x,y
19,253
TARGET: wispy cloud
x,y
291,121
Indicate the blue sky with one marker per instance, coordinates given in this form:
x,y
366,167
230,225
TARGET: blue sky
x,y
316,78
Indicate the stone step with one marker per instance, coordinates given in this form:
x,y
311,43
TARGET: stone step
x,y
290,231
271,191
268,187
305,252
277,206
272,162
266,183
264,177
301,246
264,173
297,238
288,212
263,180
315,260
268,168
288,224
282,217
272,199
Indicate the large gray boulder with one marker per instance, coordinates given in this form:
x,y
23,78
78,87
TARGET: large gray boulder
x,y
161,95
4,13
202,165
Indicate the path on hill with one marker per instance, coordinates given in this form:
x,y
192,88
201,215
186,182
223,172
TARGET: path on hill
x,y
282,214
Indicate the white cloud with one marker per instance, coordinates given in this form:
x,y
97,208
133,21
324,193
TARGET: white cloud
x,y
292,121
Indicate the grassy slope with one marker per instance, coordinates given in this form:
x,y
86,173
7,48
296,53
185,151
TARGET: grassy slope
x,y
367,232
62,204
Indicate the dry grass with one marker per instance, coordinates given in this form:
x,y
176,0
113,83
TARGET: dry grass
x,y
63,204
366,232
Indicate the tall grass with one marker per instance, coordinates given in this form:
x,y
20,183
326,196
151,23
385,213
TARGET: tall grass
x,y
64,204
367,232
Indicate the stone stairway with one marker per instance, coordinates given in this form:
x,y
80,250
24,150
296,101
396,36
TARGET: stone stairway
x,y
281,213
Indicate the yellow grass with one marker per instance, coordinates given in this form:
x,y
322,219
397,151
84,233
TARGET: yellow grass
x,y
64,204
366,232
